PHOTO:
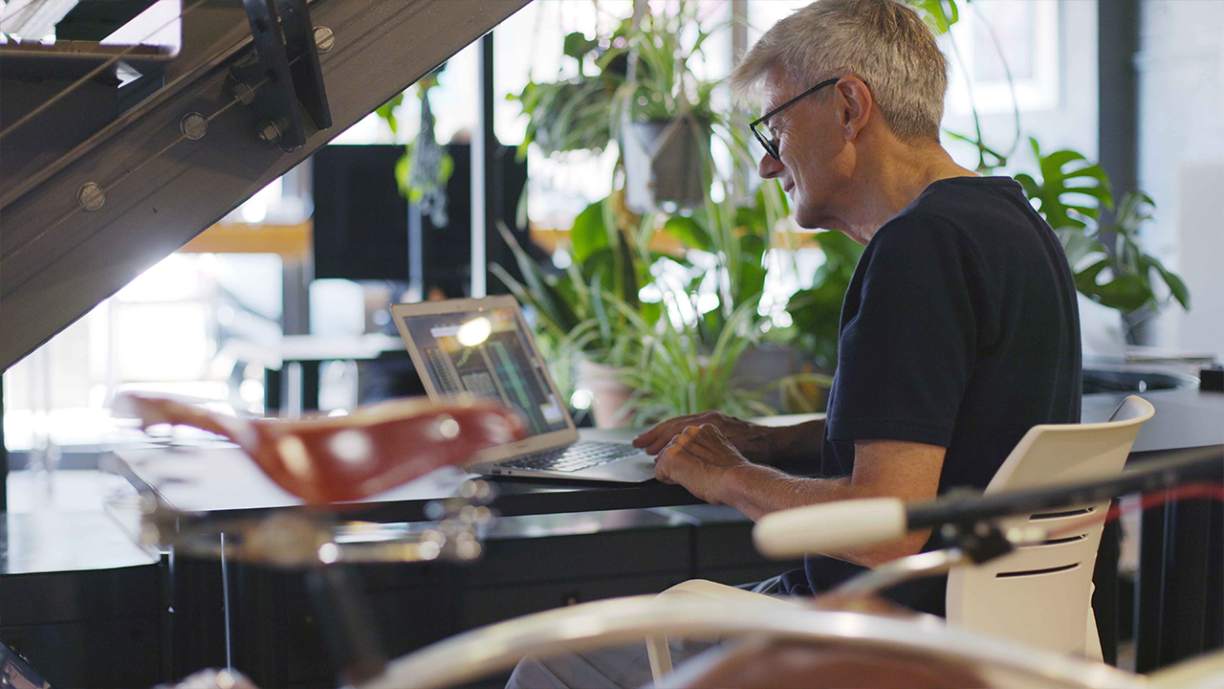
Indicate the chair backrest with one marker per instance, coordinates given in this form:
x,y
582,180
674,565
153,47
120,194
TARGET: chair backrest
x,y
1041,594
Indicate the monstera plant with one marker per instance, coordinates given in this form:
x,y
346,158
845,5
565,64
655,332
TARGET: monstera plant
x,y
1108,260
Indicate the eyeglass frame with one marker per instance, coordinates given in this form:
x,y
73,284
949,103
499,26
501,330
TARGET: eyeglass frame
x,y
770,147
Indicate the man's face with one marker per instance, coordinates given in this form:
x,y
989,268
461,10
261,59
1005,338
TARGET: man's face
x,y
811,149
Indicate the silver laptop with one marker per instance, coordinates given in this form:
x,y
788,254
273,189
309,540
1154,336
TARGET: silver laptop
x,y
483,347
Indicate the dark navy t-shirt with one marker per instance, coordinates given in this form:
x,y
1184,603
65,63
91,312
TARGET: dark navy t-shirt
x,y
959,329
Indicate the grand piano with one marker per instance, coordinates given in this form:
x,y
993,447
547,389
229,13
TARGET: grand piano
x,y
149,120
114,156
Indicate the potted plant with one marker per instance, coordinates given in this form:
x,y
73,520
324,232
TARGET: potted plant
x,y
594,308
1108,261
636,87
425,167
580,312
664,114
573,114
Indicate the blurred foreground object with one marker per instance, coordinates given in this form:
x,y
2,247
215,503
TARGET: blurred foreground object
x,y
332,459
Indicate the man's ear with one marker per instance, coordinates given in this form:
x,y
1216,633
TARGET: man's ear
x,y
854,106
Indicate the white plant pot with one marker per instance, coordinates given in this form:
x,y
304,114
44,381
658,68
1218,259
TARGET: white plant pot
x,y
663,164
609,395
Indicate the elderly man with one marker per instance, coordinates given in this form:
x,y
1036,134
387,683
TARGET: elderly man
x,y
959,330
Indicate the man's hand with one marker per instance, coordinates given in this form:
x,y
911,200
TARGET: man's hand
x,y
752,441
699,458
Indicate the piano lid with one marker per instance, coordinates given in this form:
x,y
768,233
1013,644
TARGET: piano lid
x,y
97,187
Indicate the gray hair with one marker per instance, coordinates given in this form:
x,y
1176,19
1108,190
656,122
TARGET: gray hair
x,y
882,42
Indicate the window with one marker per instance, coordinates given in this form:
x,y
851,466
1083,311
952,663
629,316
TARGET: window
x,y
1025,35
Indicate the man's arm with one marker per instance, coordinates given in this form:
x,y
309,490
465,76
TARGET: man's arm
x,y
702,460
763,444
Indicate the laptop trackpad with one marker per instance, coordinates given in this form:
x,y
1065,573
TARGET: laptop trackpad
x,y
631,469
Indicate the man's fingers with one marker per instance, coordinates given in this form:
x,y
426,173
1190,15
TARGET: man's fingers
x,y
648,436
711,436
663,463
657,436
666,434
661,440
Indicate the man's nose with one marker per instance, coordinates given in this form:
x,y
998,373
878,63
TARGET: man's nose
x,y
769,167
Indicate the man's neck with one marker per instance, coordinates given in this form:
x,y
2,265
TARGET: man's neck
x,y
894,180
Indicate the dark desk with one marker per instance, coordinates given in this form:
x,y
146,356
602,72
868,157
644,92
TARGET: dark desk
x,y
223,482
1178,542
533,560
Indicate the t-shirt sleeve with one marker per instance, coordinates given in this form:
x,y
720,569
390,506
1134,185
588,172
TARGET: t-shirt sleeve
x,y
907,351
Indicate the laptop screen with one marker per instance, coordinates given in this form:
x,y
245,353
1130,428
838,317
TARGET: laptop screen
x,y
487,353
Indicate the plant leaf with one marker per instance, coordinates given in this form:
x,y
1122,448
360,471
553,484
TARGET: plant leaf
x,y
589,233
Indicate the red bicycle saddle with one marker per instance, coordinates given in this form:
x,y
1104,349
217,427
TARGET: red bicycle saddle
x,y
334,459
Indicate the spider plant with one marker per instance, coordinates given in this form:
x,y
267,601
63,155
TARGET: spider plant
x,y
675,374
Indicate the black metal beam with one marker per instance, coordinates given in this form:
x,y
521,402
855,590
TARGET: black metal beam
x,y
485,171
3,455
1118,93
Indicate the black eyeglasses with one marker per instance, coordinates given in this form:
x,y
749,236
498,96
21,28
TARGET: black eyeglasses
x,y
771,146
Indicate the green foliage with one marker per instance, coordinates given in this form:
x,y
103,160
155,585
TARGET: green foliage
x,y
593,307
578,305
663,86
816,312
737,236
641,72
410,162
1108,261
387,112
675,374
637,73
1111,267
575,114
567,115
940,15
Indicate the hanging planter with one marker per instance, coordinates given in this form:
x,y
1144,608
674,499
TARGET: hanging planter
x,y
665,164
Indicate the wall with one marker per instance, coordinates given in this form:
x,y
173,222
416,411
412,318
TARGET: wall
x,y
1181,158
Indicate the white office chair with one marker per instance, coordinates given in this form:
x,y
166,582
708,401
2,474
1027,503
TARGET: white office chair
x,y
1040,595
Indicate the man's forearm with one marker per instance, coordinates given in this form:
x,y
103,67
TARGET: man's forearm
x,y
758,490
703,460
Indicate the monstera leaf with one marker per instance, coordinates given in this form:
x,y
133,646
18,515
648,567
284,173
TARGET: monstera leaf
x,y
1132,270
940,15
1072,190
1109,264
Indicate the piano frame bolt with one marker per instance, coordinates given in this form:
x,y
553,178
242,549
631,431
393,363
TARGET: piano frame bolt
x,y
90,196
244,93
193,126
269,132
325,40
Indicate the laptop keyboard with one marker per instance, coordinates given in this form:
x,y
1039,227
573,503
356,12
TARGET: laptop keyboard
x,y
583,455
